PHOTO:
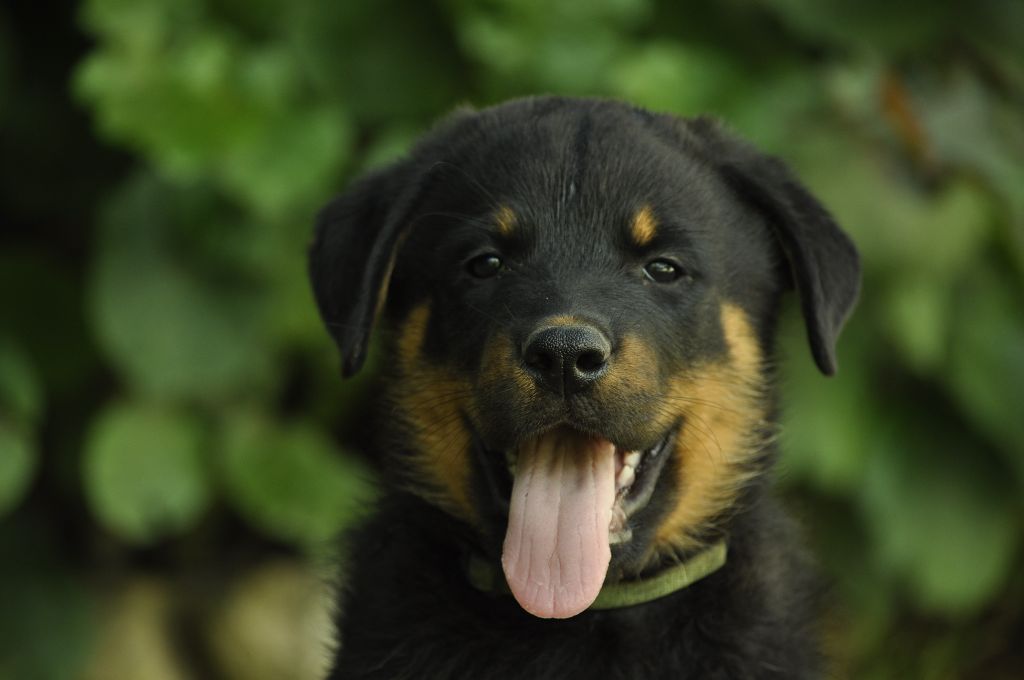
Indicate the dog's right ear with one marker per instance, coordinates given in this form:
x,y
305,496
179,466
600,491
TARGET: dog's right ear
x,y
358,235
354,248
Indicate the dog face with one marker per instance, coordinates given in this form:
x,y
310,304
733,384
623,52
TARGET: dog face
x,y
581,297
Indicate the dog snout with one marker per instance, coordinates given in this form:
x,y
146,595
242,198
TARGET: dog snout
x,y
566,359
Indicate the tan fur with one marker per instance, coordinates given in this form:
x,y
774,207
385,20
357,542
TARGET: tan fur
x,y
721,405
724,411
382,294
644,227
433,402
562,320
498,366
634,369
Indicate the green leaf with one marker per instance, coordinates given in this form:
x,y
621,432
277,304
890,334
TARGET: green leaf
x,y
991,29
566,47
941,512
170,330
170,335
293,164
21,405
21,395
143,25
144,471
18,459
50,613
894,27
956,227
667,76
972,129
233,111
776,108
826,431
896,224
986,359
917,316
357,50
290,481
389,146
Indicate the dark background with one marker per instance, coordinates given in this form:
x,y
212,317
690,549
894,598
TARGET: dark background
x,y
172,425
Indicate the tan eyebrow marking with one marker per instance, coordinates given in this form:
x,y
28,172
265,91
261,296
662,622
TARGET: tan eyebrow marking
x,y
506,220
644,226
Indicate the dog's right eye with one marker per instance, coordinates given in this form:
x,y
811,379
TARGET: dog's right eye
x,y
484,266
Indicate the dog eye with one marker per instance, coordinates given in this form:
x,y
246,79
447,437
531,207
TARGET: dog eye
x,y
662,271
484,266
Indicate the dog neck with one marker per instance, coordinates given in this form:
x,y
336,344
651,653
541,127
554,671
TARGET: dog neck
x,y
484,577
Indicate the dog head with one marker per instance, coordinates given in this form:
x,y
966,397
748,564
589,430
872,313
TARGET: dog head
x,y
581,298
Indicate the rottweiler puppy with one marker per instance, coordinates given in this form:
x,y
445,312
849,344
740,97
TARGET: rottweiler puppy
x,y
578,406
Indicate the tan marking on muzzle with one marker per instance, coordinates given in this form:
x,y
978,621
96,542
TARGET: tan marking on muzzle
x,y
632,368
724,414
499,367
433,401
561,320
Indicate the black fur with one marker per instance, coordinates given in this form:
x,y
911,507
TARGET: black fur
x,y
408,613
573,172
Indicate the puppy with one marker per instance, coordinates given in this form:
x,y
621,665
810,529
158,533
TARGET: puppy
x,y
577,408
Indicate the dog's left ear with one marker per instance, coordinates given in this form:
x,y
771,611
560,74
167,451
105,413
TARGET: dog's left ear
x,y
822,259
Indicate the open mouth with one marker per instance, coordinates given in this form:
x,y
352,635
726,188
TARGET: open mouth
x,y
636,475
572,498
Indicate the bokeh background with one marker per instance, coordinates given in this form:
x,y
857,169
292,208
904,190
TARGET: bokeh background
x,y
175,449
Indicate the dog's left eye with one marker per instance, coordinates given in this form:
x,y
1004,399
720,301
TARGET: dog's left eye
x,y
484,266
662,271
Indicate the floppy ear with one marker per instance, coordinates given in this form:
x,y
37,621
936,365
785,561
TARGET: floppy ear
x,y
358,235
822,260
354,247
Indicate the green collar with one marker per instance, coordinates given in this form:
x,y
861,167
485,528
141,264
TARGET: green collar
x,y
485,578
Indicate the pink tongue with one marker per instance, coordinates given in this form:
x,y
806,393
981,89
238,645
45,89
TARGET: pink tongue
x,y
556,549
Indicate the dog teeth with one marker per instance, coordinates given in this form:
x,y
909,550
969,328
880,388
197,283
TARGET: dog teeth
x,y
626,477
618,532
623,536
632,459
618,522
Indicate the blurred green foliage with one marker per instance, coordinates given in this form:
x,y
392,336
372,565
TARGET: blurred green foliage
x,y
164,379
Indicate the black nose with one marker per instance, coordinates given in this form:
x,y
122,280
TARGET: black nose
x,y
566,359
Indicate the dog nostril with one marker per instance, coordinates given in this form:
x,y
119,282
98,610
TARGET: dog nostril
x,y
591,360
566,359
539,360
